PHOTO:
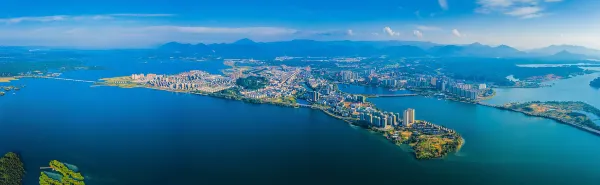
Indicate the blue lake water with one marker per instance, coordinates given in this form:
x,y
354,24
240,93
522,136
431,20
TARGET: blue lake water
x,y
572,89
141,136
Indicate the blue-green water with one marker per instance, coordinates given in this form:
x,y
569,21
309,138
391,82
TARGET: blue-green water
x,y
572,89
142,136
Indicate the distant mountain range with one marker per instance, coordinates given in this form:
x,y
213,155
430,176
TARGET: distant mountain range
x,y
554,49
246,48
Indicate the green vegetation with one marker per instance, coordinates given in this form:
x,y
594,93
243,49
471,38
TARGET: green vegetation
x,y
252,82
425,145
595,83
122,82
435,146
11,169
289,100
568,112
67,175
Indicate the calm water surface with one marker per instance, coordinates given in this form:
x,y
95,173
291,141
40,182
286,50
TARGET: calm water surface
x,y
572,89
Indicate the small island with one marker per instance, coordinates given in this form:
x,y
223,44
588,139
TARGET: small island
x,y
577,114
67,174
4,89
11,169
595,83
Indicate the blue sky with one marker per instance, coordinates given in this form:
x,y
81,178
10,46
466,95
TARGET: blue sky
x,y
524,24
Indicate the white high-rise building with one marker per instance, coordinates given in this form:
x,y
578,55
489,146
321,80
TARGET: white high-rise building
x,y
409,117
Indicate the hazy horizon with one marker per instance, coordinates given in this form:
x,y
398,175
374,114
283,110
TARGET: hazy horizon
x,y
522,24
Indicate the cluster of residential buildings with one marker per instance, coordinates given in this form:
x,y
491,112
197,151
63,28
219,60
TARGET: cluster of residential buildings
x,y
388,119
462,90
348,76
430,128
283,82
188,81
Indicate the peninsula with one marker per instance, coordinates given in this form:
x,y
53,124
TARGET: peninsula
x,y
578,114
286,86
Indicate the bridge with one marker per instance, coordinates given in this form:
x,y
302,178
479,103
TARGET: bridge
x,y
303,105
388,95
57,78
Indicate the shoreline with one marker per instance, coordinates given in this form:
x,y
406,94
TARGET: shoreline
x,y
349,120
580,127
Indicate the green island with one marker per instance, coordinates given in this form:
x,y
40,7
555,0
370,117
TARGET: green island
x,y
578,114
595,83
67,174
11,169
428,141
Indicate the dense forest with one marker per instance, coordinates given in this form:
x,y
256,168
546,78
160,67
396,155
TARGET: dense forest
x,y
11,169
252,82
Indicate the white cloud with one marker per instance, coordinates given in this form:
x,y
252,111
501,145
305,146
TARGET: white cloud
x,y
56,18
428,28
390,32
524,11
140,15
455,32
35,19
443,4
418,33
518,8
349,32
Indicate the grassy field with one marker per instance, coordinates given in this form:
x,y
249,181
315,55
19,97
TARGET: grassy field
x,y
122,82
6,79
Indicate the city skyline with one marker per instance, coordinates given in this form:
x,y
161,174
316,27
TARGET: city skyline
x,y
524,24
